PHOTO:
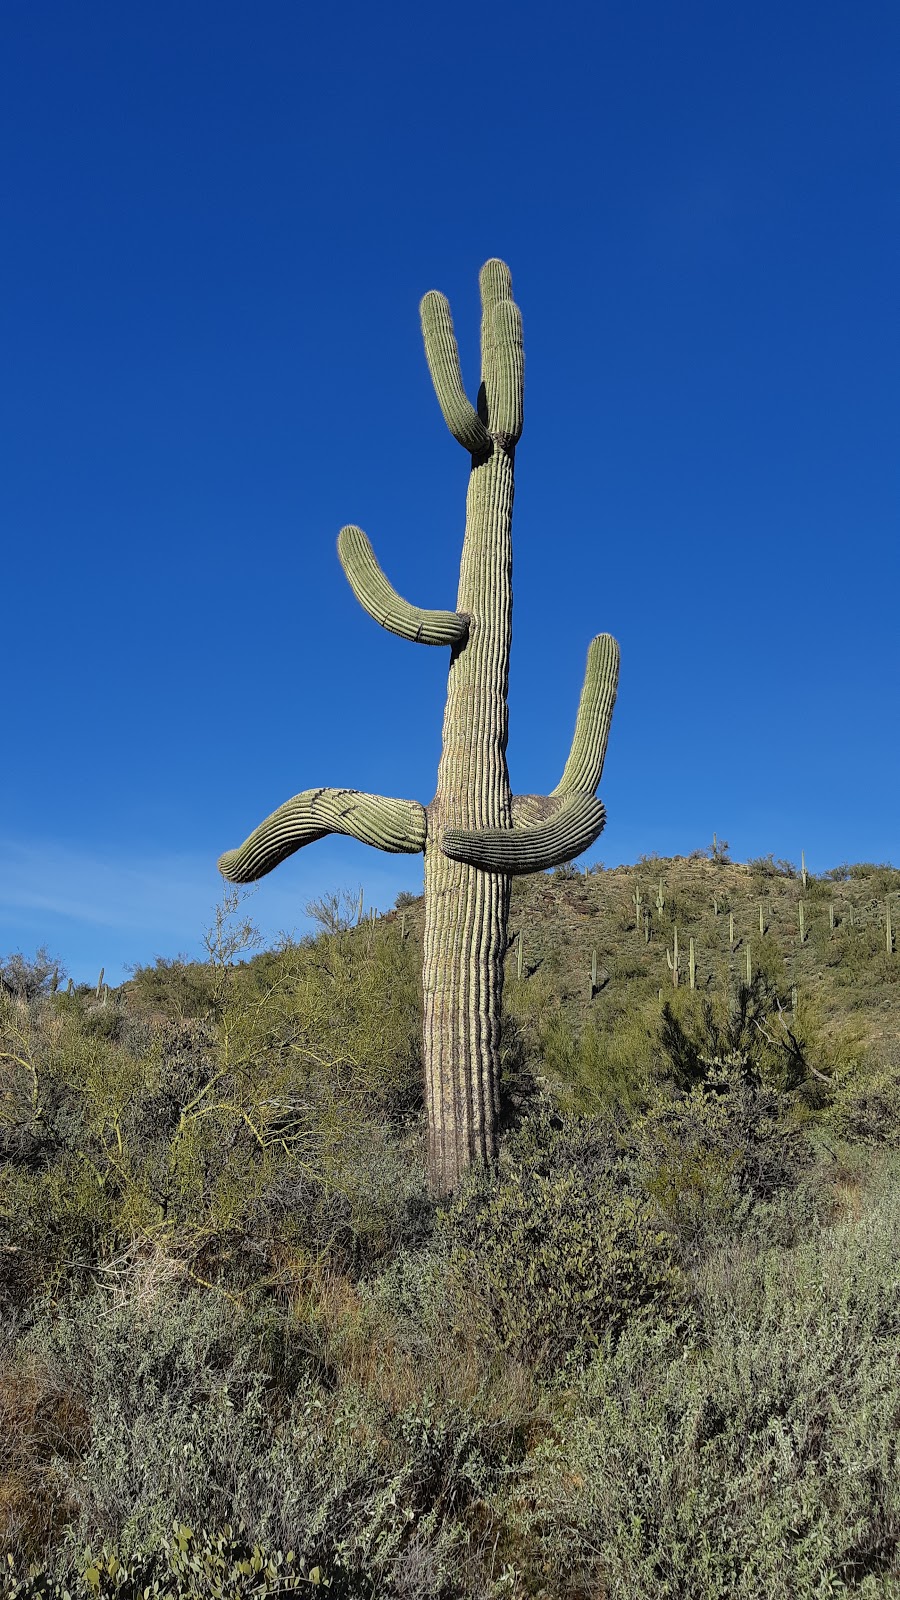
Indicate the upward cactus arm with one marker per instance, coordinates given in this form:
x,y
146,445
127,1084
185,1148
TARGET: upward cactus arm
x,y
442,355
398,826
502,357
382,601
548,830
584,768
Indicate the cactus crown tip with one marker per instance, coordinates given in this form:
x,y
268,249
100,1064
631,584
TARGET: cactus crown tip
x,y
496,280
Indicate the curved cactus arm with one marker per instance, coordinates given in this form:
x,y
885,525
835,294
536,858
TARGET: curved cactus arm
x,y
382,602
398,826
502,357
569,827
584,767
442,355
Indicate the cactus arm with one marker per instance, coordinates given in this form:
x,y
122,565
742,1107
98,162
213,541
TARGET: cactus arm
x,y
382,601
442,355
548,830
393,825
572,826
584,768
502,359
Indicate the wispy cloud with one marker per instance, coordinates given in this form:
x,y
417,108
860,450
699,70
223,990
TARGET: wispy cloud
x,y
109,909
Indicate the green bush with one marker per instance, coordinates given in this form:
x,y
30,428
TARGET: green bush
x,y
866,1105
188,1565
707,1156
553,1251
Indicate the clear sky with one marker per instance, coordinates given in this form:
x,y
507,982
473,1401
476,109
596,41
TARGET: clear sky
x,y
218,222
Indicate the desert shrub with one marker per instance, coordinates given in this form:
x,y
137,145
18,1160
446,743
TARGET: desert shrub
x,y
43,1429
882,877
285,1105
27,977
566,873
763,867
554,1250
745,1027
608,1065
175,988
375,1202
866,1104
709,1154
197,1411
188,1565
760,1464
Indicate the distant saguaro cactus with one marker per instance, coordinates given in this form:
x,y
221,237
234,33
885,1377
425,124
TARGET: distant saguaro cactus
x,y
673,961
475,835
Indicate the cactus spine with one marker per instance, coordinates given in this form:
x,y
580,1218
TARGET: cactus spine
x,y
100,982
802,923
749,967
474,834
692,967
672,959
731,927
762,927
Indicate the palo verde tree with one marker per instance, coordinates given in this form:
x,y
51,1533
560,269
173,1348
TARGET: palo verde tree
x,y
475,834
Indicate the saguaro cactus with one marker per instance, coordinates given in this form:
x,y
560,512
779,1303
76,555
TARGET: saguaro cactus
x,y
475,834
673,961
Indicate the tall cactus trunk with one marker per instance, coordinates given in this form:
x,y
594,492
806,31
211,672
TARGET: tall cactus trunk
x,y
475,835
466,908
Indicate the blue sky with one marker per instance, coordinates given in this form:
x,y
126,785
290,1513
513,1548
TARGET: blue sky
x,y
219,220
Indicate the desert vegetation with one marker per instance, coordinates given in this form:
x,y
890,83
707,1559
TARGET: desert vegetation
x,y
651,1350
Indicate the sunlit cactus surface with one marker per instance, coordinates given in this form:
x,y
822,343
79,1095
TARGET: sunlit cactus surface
x,y
475,834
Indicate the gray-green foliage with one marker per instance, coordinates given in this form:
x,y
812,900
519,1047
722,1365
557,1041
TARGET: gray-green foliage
x,y
761,1463
196,1414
